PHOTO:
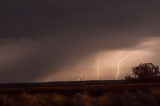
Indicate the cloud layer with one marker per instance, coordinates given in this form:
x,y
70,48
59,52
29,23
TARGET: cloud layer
x,y
41,37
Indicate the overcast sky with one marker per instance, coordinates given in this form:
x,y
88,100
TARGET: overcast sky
x,y
49,40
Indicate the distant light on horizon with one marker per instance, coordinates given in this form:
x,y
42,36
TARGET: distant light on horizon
x,y
103,65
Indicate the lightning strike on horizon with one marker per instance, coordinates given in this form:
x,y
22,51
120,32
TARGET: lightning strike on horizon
x,y
119,63
79,79
83,74
48,79
98,71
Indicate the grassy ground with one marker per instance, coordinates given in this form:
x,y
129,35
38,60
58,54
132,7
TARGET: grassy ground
x,y
92,95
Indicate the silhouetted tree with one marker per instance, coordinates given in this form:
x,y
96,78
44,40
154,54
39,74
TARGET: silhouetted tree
x,y
129,77
144,72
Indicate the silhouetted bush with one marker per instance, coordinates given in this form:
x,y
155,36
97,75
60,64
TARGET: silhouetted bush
x,y
146,72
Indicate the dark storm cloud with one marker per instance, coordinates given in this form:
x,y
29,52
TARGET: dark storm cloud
x,y
41,18
54,32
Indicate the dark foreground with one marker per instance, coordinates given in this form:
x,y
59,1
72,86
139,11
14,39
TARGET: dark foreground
x,y
84,93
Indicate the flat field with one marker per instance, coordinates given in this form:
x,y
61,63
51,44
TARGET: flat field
x,y
80,93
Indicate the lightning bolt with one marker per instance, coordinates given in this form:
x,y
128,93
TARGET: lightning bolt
x,y
48,79
119,63
80,76
83,74
98,71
